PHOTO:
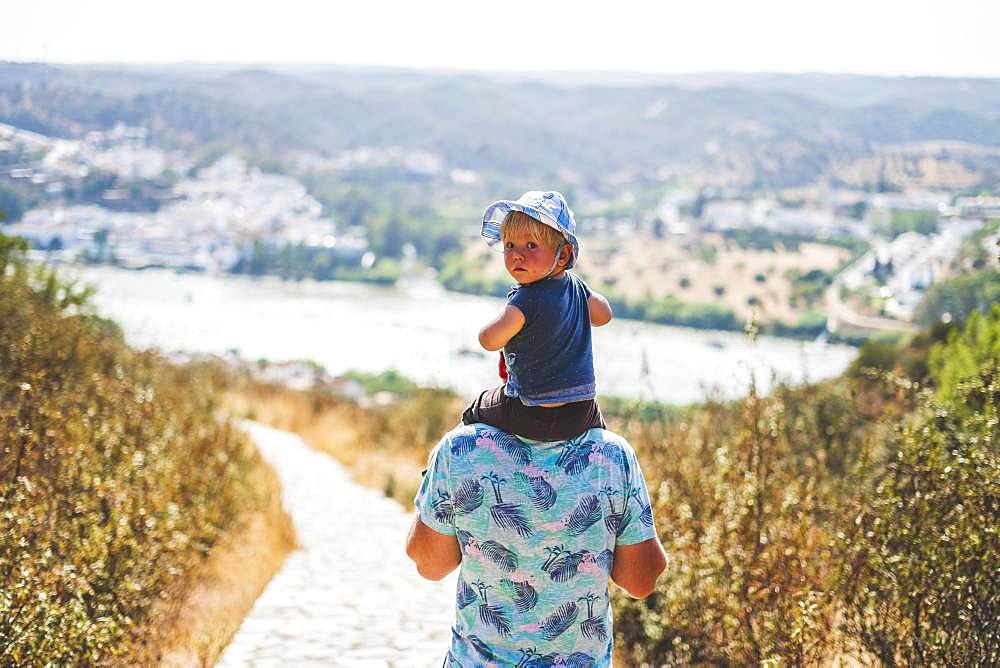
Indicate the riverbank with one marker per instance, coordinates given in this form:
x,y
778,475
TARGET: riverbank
x,y
429,335
705,281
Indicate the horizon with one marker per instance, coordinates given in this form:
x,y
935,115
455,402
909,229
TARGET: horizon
x,y
889,39
454,70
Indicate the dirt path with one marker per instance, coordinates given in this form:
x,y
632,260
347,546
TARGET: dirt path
x,y
348,596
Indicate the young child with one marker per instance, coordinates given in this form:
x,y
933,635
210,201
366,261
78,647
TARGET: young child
x,y
539,527
544,330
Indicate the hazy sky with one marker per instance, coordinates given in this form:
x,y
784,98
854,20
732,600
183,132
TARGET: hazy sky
x,y
954,38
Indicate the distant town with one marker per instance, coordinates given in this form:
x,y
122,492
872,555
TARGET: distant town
x,y
215,217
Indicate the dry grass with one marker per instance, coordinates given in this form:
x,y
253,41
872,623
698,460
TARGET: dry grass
x,y
640,266
657,267
225,587
384,448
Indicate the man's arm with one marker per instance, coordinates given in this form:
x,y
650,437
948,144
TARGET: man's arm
x,y
495,335
637,566
600,309
435,554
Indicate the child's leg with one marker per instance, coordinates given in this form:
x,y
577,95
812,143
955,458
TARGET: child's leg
x,y
559,423
489,408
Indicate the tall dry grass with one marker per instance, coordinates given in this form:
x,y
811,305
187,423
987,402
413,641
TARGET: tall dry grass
x,y
225,587
792,520
117,480
384,447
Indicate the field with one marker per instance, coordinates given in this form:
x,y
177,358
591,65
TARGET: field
x,y
707,269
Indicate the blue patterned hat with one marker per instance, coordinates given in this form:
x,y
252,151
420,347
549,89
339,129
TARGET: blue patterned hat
x,y
548,207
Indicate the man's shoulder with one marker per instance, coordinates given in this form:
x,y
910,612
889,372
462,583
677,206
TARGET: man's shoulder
x,y
463,432
470,434
608,438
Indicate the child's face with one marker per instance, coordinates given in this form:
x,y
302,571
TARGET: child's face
x,y
527,258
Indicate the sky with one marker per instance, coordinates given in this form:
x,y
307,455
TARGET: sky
x,y
882,37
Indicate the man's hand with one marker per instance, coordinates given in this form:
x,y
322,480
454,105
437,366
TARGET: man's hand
x,y
636,567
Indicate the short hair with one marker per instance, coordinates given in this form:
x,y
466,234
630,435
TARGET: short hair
x,y
516,221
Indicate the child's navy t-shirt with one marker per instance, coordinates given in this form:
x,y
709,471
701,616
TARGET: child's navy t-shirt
x,y
538,524
551,360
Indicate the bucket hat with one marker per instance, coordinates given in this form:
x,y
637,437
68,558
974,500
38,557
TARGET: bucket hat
x,y
546,206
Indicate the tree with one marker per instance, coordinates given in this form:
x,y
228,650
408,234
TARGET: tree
x,y
966,351
956,298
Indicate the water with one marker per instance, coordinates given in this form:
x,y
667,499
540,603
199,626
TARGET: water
x,y
428,334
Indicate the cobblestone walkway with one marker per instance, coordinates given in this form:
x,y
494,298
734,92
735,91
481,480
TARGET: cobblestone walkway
x,y
348,596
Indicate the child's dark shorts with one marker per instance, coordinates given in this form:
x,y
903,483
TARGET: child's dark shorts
x,y
558,423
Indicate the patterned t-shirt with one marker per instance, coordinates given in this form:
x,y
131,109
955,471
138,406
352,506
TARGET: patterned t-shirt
x,y
537,523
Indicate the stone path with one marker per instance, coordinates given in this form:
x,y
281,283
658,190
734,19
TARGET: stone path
x,y
349,596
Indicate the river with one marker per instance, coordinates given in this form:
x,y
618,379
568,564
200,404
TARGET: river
x,y
428,334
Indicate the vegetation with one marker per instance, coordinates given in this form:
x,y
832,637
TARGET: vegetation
x,y
298,261
393,211
384,446
464,274
117,479
921,222
809,286
385,381
955,298
14,201
966,352
973,253
854,518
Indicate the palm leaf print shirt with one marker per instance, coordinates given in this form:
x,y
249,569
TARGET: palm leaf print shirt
x,y
537,523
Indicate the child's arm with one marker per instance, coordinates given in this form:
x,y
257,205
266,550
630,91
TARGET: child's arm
x,y
435,554
637,566
495,335
600,309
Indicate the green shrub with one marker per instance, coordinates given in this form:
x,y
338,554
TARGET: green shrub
x,y
462,274
958,297
919,581
966,352
922,222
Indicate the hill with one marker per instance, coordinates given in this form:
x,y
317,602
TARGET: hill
x,y
742,131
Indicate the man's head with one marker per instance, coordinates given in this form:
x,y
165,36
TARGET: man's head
x,y
532,250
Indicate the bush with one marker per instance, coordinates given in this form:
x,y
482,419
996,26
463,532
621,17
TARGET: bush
x,y
958,297
922,222
966,352
465,275
919,577
746,496
116,477
854,518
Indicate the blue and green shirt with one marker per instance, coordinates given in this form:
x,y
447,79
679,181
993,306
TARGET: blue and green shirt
x,y
537,523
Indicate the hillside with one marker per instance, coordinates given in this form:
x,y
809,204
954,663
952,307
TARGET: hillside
x,y
738,131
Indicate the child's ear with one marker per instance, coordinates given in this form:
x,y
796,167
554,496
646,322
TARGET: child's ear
x,y
564,254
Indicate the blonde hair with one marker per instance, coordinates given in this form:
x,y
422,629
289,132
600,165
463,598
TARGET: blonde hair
x,y
517,221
